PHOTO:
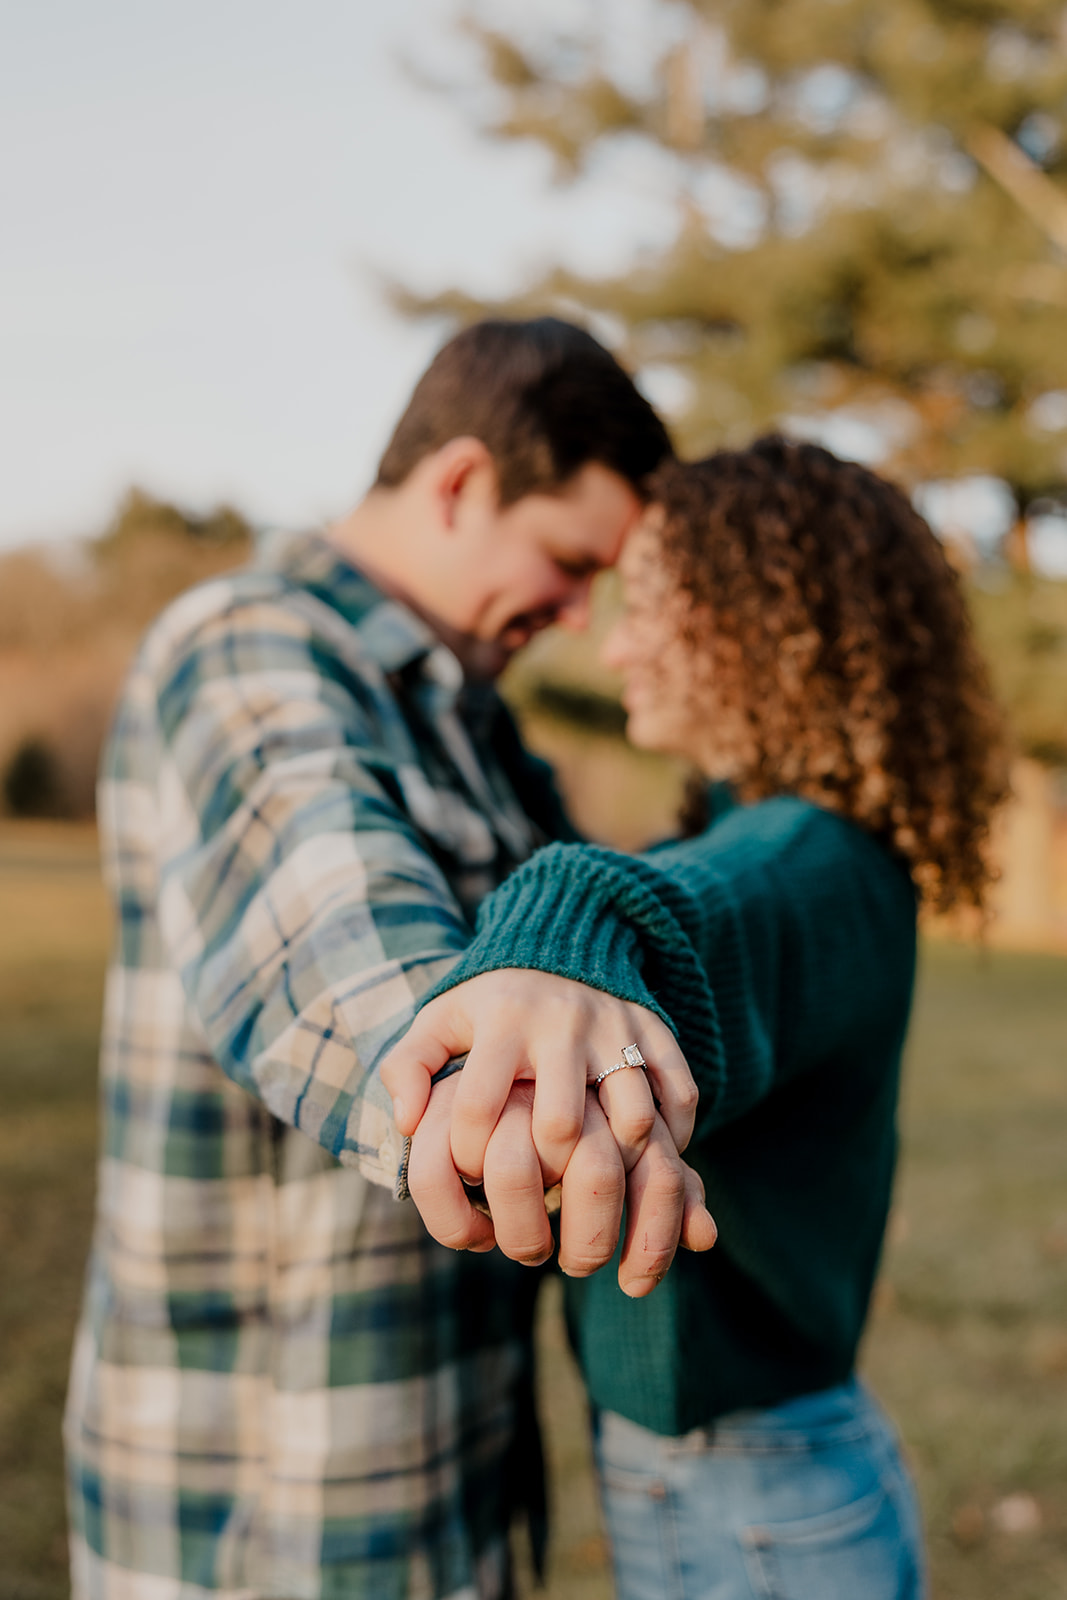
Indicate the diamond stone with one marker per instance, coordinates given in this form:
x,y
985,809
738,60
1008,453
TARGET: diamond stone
x,y
632,1056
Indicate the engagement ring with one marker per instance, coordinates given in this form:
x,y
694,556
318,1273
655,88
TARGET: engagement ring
x,y
631,1057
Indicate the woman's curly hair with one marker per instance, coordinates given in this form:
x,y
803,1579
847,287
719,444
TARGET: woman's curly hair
x,y
838,653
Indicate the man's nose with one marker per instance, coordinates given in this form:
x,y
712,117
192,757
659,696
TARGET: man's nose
x,y
575,611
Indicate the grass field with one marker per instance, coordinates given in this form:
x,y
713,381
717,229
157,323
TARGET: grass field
x,y
968,1343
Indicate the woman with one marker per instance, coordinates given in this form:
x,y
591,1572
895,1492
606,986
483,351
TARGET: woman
x,y
792,627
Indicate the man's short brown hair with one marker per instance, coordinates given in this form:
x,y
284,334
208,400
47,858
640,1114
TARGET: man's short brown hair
x,y
543,397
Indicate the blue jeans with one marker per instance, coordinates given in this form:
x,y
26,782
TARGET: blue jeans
x,y
803,1501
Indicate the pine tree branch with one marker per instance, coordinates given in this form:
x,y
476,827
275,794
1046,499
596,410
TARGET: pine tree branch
x,y
1021,178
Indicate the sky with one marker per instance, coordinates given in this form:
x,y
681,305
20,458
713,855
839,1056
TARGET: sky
x,y
199,206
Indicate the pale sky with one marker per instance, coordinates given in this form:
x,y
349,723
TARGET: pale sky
x,y
196,203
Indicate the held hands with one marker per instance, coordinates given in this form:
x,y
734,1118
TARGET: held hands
x,y
524,1115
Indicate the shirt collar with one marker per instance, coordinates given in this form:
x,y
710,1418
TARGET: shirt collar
x,y
393,634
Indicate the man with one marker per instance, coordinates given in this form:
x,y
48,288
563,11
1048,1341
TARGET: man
x,y
281,1386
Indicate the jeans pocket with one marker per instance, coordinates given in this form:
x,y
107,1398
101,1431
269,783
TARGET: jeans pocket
x,y
857,1551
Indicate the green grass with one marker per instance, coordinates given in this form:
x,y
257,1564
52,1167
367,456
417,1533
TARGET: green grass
x,y
968,1346
968,1342
53,936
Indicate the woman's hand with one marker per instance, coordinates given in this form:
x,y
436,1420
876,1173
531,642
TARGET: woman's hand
x,y
520,1024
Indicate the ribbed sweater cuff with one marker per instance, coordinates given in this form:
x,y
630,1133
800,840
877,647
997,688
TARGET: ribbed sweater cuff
x,y
614,923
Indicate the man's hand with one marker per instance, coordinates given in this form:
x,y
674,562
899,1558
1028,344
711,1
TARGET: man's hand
x,y
664,1197
522,1116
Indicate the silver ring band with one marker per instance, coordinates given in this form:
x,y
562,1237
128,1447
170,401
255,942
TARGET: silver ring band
x,y
631,1057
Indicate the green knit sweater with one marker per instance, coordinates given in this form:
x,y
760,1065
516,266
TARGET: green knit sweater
x,y
780,945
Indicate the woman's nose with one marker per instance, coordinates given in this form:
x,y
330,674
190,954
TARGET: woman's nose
x,y
614,652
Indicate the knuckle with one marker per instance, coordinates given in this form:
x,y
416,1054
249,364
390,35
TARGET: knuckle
x,y
636,1127
500,1014
515,1204
557,1127
672,1190
694,1183
666,1186
514,1173
583,1263
655,1263
525,1239
602,1177
685,1094
476,1106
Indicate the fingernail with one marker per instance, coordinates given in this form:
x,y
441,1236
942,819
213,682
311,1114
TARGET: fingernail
x,y
535,1261
642,1287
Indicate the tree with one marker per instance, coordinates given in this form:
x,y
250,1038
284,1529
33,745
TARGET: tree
x,y
69,623
871,223
33,783
870,248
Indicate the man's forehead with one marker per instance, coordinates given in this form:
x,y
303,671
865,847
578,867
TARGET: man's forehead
x,y
591,515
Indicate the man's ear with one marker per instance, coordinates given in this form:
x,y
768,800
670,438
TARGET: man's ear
x,y
461,466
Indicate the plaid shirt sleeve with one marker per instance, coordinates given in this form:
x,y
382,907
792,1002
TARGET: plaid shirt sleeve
x,y
295,895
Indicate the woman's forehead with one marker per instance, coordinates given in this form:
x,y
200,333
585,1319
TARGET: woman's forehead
x,y
641,562
643,542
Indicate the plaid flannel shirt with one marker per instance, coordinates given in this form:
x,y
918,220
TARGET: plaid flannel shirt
x,y
281,1386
